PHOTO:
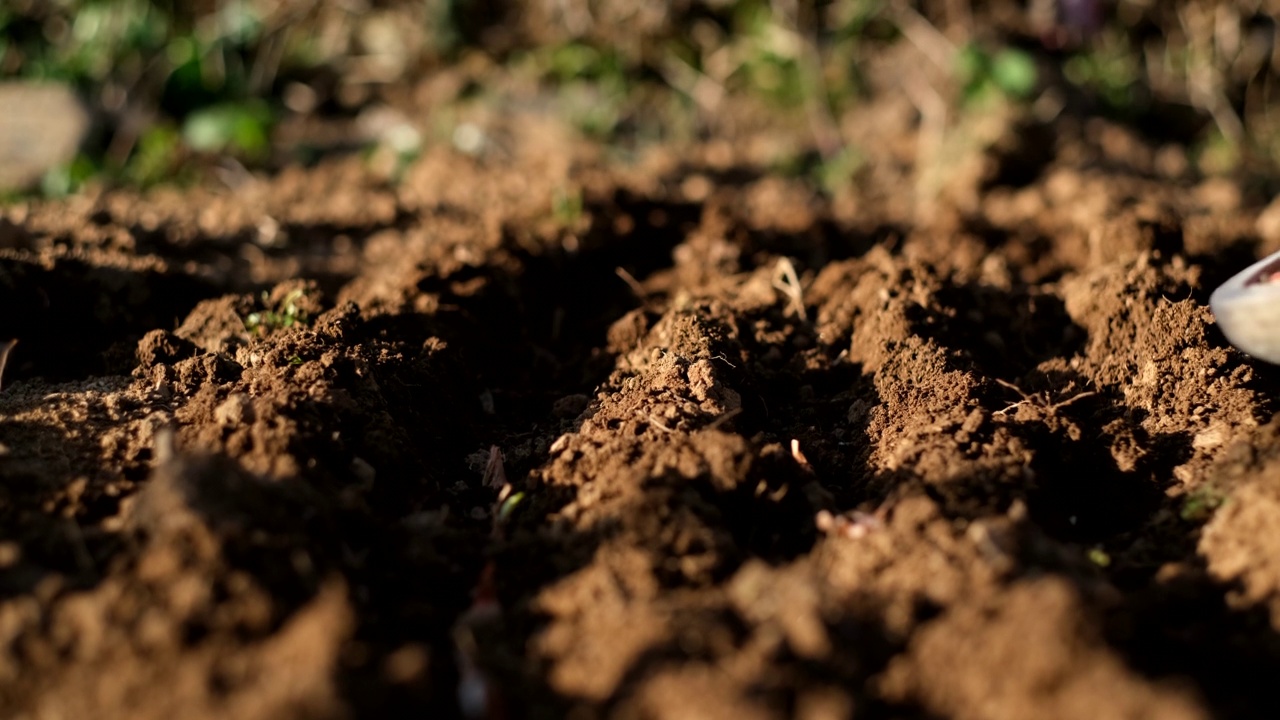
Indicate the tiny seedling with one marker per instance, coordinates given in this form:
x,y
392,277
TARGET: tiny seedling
x,y
285,315
508,506
1099,557
1008,72
566,206
1201,503
787,282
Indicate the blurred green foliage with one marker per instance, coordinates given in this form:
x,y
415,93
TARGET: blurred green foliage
x,y
237,127
593,85
1109,69
1200,504
1009,71
174,85
167,80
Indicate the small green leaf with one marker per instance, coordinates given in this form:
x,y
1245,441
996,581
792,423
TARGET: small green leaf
x,y
972,65
1014,72
242,127
509,506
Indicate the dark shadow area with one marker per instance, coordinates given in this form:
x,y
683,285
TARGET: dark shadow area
x,y
231,259
999,333
1021,155
528,331
1168,627
1224,262
824,241
535,326
1079,493
73,319
1095,476
827,241
1183,629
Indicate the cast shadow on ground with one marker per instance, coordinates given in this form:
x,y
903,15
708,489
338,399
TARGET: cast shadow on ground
x,y
1078,432
999,333
238,261
532,329
75,320
1080,496
1089,499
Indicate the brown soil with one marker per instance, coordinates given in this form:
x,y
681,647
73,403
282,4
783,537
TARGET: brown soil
x,y
989,459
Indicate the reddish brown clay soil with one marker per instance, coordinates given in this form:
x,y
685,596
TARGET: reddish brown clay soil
x,y
982,457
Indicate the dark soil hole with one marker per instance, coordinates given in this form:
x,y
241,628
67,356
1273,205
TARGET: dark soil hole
x,y
1079,494
1021,155
1003,334
1230,654
536,327
826,409
1078,497
74,320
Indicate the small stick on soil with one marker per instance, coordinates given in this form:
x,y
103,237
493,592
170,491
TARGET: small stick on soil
x,y
928,39
787,282
1072,399
725,418
1031,398
636,288
700,87
4,357
799,457
1015,388
495,476
653,419
724,359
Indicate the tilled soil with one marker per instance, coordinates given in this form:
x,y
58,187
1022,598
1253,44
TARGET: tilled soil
x,y
712,445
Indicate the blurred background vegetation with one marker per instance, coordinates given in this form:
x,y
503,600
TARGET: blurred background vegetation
x,y
176,90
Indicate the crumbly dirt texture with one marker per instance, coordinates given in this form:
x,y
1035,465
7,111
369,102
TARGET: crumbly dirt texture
x,y
707,443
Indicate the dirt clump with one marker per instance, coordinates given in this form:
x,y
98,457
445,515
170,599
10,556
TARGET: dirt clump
x,y
566,435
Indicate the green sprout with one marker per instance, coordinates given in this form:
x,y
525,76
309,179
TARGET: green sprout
x,y
1111,69
285,315
837,171
1009,72
508,507
1099,557
1202,502
592,84
567,206
242,127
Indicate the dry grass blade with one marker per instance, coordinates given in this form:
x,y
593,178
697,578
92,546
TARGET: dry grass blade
x,y
787,282
495,475
4,357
